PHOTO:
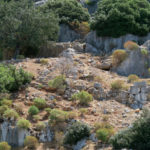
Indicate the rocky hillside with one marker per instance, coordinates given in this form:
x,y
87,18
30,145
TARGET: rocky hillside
x,y
115,100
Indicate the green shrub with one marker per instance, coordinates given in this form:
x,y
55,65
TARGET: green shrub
x,y
103,134
90,2
36,118
132,78
84,97
44,61
120,17
4,146
11,79
57,115
117,85
31,142
23,123
67,10
130,45
3,109
144,52
6,102
48,110
104,131
33,110
82,28
10,113
40,103
40,126
149,71
136,137
118,57
76,132
58,83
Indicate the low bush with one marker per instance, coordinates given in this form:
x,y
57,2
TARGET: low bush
x,y
130,45
23,123
31,142
33,110
82,28
132,78
84,97
4,146
40,126
57,115
149,71
76,132
58,83
36,118
103,134
6,102
3,109
40,103
83,111
136,137
44,61
10,114
117,85
144,52
48,110
104,131
11,79
118,57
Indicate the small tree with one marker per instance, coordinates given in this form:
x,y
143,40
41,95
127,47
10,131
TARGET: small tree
x,y
76,132
67,10
137,137
23,28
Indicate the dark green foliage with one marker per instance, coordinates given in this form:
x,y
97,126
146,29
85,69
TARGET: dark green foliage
x,y
23,28
33,110
137,137
11,79
76,132
119,17
67,10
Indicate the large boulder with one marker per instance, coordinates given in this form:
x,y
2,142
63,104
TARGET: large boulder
x,y
108,44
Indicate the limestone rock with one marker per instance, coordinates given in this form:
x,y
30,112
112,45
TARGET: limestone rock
x,y
108,44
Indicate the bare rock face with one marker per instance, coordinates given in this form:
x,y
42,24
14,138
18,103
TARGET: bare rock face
x,y
66,34
136,97
108,44
15,136
136,63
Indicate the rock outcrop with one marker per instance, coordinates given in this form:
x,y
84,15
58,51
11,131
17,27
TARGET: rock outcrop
x,y
66,34
108,44
136,63
136,97
15,136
